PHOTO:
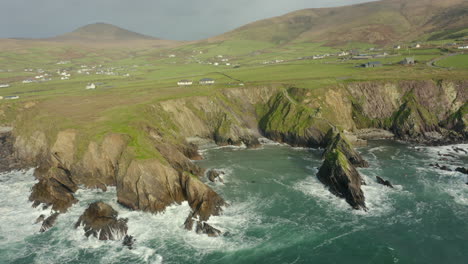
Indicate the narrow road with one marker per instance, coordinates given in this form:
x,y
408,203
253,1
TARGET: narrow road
x,y
432,62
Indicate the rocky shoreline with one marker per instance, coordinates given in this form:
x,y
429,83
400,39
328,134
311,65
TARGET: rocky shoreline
x,y
336,119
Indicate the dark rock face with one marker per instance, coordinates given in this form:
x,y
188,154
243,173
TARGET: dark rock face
x,y
462,170
387,183
100,220
8,161
342,179
337,141
49,222
251,142
214,175
201,227
204,228
56,188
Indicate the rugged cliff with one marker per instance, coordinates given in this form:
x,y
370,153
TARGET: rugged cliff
x,y
423,111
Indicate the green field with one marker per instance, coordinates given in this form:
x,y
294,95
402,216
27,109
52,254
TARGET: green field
x,y
458,62
120,102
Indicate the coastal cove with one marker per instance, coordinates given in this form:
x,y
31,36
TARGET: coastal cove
x,y
278,212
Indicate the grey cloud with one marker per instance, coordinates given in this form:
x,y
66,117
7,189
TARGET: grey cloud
x,y
169,19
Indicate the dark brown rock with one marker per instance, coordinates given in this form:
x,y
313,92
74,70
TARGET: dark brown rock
x,y
54,188
462,170
100,220
204,228
387,183
49,222
214,175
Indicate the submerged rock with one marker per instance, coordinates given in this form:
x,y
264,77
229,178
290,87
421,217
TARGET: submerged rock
x,y
462,170
380,180
201,227
342,178
49,222
100,220
129,241
337,141
204,228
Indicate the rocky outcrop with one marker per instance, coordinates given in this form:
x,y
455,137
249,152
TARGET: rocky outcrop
x,y
337,141
284,120
202,199
100,220
342,179
55,188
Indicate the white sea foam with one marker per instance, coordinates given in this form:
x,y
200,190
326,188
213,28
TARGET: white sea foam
x,y
378,197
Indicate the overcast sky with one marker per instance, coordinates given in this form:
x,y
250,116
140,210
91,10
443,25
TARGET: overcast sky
x,y
168,19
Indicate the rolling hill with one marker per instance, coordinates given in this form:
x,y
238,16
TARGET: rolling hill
x,y
103,32
381,22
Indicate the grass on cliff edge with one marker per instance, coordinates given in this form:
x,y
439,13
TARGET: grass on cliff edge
x,y
120,104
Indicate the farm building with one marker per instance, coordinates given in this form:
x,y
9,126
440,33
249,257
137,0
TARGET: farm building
x,y
408,61
207,81
371,64
11,97
4,85
90,86
184,83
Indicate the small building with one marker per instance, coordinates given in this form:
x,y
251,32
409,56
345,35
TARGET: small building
x,y
11,97
408,61
184,83
4,85
463,47
397,47
90,86
28,81
207,81
372,64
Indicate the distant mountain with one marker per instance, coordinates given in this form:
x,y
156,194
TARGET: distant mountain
x,y
103,32
381,22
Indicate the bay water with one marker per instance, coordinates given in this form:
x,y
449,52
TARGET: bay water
x,y
278,213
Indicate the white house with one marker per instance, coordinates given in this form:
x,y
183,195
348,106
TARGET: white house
x,y
4,85
90,86
397,47
207,81
463,47
184,83
28,81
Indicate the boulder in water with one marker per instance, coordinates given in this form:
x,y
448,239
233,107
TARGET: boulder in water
x,y
100,220
462,170
384,182
204,228
214,175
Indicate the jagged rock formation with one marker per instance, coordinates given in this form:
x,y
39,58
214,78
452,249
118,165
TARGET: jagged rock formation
x,y
100,220
342,178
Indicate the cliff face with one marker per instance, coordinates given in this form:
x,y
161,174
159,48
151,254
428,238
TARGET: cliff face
x,y
414,110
